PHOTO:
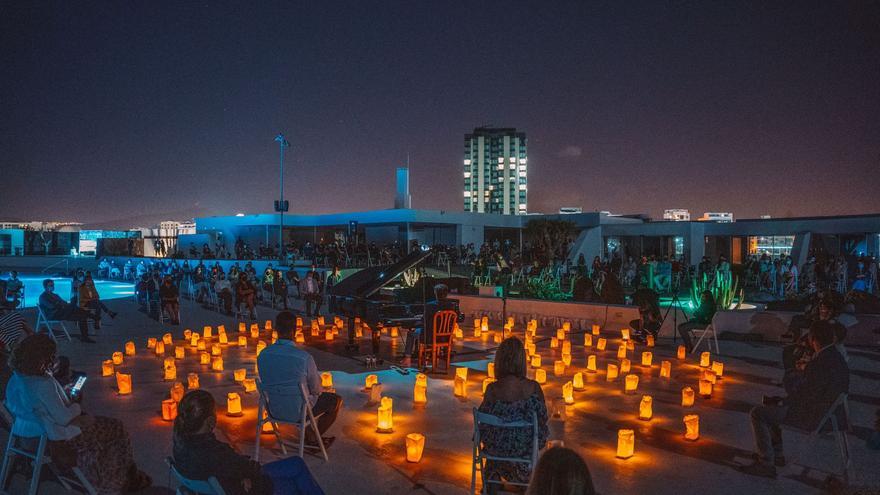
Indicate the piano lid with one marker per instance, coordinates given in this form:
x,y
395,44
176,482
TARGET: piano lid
x,y
368,281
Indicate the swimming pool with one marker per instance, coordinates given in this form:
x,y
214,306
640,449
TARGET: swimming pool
x,y
107,289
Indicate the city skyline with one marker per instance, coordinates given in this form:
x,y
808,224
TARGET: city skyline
x,y
169,110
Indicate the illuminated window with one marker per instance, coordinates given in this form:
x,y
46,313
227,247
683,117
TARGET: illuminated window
x,y
467,175
467,162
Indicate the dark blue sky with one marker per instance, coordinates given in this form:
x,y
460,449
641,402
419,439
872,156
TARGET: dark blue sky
x,y
110,111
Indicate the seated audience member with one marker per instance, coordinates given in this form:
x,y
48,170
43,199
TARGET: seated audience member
x,y
512,398
14,288
419,336
561,471
245,292
800,350
583,290
170,298
223,288
650,319
90,300
13,328
279,287
701,319
198,455
56,308
98,445
825,377
284,363
611,291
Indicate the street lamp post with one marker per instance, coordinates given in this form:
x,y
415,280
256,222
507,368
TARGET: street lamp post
x,y
281,206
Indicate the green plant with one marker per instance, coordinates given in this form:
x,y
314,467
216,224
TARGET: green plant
x,y
723,289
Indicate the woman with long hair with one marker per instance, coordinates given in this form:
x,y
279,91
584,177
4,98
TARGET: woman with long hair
x,y
561,471
98,445
199,455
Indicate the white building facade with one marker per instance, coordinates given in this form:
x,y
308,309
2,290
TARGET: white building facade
x,y
677,215
496,171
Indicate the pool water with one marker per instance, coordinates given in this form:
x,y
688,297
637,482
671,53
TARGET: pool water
x,y
107,289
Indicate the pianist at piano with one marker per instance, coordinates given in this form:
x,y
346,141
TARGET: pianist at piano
x,y
418,336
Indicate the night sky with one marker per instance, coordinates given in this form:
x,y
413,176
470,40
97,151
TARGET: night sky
x,y
132,112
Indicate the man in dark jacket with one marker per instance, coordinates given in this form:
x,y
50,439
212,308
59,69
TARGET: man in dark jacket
x,y
55,308
826,376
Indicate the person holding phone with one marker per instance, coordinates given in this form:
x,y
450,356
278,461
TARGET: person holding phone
x,y
98,445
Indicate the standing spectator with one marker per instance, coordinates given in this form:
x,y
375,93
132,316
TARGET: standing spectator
x,y
55,308
311,291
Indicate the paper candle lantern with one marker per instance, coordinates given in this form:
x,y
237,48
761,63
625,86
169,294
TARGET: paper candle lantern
x,y
530,347
170,373
705,359
624,333
223,338
328,336
255,331
233,404
242,341
461,372
192,381
107,367
566,325
250,385
600,344
179,352
375,393
486,382
665,369
460,387
300,337
705,389
566,359
558,368
260,346
123,383
385,416
490,370
204,358
169,361
626,441
625,365
166,339
151,343
369,381
239,374
187,334
194,340
692,427
709,376
206,331
578,381
268,324
242,327
169,410
129,348
647,358
649,341
177,391
160,348
478,331
117,358
536,361
421,379
591,363
420,394
554,342
540,376
718,368
588,340
566,347
631,384
415,445
327,379
681,353
217,363
568,393
646,408
215,350
202,345
687,397
611,373
560,334
456,330
595,329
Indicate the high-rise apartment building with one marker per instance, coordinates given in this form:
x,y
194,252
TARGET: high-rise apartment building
x,y
495,171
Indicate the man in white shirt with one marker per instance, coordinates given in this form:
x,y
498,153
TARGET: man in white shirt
x,y
284,363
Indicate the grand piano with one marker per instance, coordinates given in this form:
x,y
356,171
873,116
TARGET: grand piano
x,y
368,295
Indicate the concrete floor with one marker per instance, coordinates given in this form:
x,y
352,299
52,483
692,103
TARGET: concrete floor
x,y
365,462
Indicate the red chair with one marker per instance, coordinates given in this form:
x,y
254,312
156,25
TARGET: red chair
x,y
444,326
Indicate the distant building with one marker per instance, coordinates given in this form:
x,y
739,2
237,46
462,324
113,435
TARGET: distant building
x,y
677,215
495,171
570,210
402,198
720,217
766,217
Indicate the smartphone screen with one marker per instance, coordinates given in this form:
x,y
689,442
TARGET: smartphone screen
x,y
78,385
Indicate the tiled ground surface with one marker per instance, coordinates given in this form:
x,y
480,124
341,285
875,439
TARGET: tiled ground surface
x,y
365,462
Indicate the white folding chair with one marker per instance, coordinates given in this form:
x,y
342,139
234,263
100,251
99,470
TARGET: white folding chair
x,y
34,449
187,486
287,403
42,320
830,420
703,333
481,457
